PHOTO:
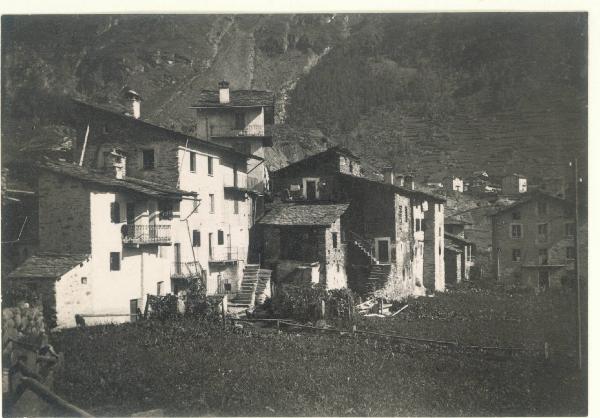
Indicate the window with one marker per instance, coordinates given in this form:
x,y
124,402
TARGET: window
x,y
210,166
542,231
418,225
84,280
239,121
570,229
211,198
148,159
516,231
516,254
196,205
192,162
115,212
334,239
516,215
115,261
571,253
542,208
543,256
159,288
165,210
220,238
235,176
236,207
196,238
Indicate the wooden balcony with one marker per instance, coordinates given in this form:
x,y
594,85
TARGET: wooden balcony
x,y
229,132
146,234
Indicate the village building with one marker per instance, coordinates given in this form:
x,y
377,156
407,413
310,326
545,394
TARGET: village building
x,y
514,184
103,238
213,234
533,242
454,183
392,235
300,238
458,258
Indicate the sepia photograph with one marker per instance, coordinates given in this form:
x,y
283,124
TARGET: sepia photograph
x,y
295,214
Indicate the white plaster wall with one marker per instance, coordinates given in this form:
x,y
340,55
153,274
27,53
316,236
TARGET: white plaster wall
x,y
335,267
72,296
440,279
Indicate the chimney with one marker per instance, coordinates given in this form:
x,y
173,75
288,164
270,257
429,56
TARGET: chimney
x,y
223,91
388,175
134,101
409,182
400,180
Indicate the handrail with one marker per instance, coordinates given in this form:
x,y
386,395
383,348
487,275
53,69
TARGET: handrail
x,y
227,130
146,234
52,398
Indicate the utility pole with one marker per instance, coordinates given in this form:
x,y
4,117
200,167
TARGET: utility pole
x,y
576,239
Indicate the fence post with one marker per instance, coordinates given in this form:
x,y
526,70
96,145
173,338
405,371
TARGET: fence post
x,y
223,302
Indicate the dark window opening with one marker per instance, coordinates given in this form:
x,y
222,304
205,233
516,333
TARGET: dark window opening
x,y
148,159
571,253
115,261
334,238
516,254
298,244
165,210
196,238
543,256
210,166
220,237
516,231
192,162
115,212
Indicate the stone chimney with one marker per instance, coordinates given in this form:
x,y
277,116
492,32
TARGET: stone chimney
x,y
223,91
409,182
134,102
388,175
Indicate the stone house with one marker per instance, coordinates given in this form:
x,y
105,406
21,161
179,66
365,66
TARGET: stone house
x,y
239,119
533,241
458,258
297,237
102,240
454,183
514,184
393,234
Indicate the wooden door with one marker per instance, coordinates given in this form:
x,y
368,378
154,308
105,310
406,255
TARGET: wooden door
x,y
311,190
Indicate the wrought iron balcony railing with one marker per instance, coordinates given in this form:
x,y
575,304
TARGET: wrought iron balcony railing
x,y
222,254
186,269
146,234
228,131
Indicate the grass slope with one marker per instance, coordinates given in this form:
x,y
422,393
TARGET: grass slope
x,y
191,368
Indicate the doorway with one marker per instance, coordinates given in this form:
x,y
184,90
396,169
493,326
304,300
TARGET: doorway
x,y
382,250
311,190
133,310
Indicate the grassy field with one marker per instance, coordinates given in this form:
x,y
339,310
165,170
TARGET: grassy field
x,y
191,368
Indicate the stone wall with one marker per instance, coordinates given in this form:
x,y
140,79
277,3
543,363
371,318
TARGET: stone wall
x,y
64,216
22,322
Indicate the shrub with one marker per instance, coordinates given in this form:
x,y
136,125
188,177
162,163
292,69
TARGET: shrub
x,y
163,307
303,302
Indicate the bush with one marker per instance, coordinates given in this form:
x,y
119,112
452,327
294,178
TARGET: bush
x,y
303,302
163,307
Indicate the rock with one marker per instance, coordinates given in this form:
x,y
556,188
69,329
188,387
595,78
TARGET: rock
x,y
7,314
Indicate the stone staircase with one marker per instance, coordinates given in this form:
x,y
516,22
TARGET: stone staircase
x,y
363,245
255,287
378,276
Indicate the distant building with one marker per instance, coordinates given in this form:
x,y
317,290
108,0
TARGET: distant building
x,y
454,183
514,184
533,241
458,258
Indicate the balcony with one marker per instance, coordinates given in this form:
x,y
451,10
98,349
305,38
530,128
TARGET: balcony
x,y
186,270
229,132
226,254
146,234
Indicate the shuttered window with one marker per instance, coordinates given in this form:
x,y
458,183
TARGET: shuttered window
x,y
220,237
115,261
115,212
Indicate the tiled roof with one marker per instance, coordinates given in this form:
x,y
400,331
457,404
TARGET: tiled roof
x,y
128,183
237,98
118,111
531,197
303,214
47,265
394,188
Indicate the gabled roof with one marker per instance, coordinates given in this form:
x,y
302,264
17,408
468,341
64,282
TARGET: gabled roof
x,y
291,214
337,150
237,98
175,134
531,197
99,178
47,266
393,188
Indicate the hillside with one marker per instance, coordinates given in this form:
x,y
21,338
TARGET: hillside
x,y
426,92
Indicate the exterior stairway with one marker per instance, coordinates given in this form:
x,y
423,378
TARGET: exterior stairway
x,y
378,276
255,287
364,245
